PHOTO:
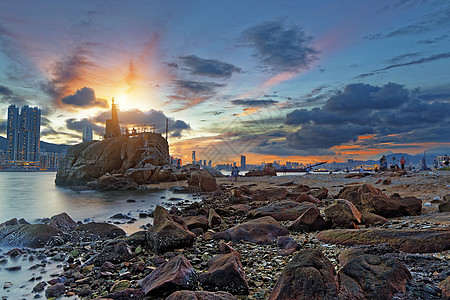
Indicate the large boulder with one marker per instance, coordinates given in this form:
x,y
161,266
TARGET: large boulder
x,y
27,235
368,276
203,180
309,275
281,210
62,222
343,213
310,220
263,230
116,182
225,273
407,240
367,198
200,295
166,234
176,274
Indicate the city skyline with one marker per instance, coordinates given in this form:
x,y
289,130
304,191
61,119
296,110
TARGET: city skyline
x,y
270,80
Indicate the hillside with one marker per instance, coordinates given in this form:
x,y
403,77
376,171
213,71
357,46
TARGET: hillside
x,y
49,147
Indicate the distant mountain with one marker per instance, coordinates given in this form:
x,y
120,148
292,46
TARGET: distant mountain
x,y
49,147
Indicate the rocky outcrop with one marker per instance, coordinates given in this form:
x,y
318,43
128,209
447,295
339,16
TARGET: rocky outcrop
x,y
93,231
343,213
408,240
367,198
263,230
176,274
27,235
62,222
89,161
203,181
309,275
310,220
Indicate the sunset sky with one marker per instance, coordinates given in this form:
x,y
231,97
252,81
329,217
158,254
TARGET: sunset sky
x,y
287,80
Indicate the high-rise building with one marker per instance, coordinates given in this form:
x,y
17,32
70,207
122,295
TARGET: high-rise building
x,y
112,125
23,133
243,161
193,156
87,133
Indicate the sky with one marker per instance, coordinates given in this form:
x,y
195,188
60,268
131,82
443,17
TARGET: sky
x,y
303,81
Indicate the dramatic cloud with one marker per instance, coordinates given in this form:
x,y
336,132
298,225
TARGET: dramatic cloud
x,y
389,113
67,71
5,91
417,61
434,40
84,97
153,117
209,67
279,49
191,93
253,102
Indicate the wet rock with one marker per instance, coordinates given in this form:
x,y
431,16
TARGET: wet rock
x,y
369,218
225,273
200,295
196,222
126,294
407,240
94,231
307,198
117,253
55,290
116,182
263,230
368,276
120,216
286,245
321,193
14,252
120,286
445,287
343,213
367,198
7,285
166,234
62,222
309,275
310,220
213,218
240,209
281,210
444,207
176,274
39,287
34,236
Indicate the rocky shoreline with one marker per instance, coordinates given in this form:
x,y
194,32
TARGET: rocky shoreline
x,y
257,238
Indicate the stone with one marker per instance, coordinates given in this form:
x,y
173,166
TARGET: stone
x,y
120,216
307,198
369,218
444,207
176,274
203,180
200,295
108,182
39,287
199,221
263,230
406,240
120,286
321,193
444,285
225,273
367,198
213,218
94,231
117,253
286,245
27,235
166,234
343,213
55,290
126,294
240,209
309,275
281,210
62,222
368,276
310,220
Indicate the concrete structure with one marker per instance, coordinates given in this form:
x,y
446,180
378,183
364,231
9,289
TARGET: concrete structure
x,y
23,133
243,162
112,125
87,133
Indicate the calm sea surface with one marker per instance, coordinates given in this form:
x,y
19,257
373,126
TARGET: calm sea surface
x,y
32,195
